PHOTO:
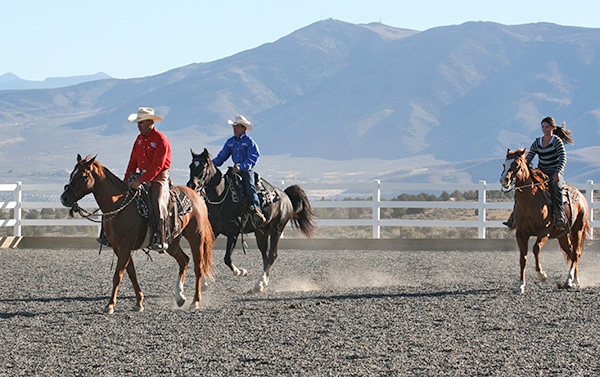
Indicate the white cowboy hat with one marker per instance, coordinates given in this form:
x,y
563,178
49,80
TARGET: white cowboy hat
x,y
143,113
240,119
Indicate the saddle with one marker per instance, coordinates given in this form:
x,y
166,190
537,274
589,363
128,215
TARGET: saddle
x,y
179,205
569,194
267,194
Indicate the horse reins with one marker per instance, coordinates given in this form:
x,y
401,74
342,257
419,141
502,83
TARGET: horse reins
x,y
105,216
202,191
532,185
520,187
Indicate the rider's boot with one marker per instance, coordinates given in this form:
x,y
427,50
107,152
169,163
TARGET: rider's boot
x,y
257,217
510,223
560,218
160,240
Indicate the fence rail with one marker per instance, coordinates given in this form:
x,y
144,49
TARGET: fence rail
x,y
373,189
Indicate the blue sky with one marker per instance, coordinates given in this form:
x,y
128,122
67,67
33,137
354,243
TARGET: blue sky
x,y
41,38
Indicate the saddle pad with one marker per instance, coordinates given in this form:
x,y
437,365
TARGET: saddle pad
x,y
266,192
178,197
184,203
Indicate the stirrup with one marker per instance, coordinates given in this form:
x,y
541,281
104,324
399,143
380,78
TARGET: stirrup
x,y
102,240
509,224
257,217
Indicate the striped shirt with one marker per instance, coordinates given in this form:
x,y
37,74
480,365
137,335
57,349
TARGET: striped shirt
x,y
552,157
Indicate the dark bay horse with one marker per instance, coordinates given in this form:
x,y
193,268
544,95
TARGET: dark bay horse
x,y
227,216
533,216
126,229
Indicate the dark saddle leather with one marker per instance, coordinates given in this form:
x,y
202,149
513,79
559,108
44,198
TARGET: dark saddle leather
x,y
267,194
179,205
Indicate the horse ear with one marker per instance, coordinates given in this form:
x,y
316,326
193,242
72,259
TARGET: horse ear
x,y
205,152
93,159
192,152
79,157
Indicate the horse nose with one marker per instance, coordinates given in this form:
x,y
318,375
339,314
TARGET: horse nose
x,y
66,199
192,184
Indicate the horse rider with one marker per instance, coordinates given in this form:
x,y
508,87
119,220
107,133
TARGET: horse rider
x,y
552,158
245,154
150,162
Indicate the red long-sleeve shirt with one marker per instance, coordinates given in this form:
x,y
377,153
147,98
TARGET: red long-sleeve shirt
x,y
151,153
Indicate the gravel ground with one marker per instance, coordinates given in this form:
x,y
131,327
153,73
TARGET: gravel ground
x,y
327,313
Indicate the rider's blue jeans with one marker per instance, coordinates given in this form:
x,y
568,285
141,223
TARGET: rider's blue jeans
x,y
556,192
250,187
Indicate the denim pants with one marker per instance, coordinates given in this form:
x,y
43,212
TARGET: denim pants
x,y
556,192
250,187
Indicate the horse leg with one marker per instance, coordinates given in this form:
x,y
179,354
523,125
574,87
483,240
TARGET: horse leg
x,y
264,241
139,296
522,242
196,244
231,241
537,248
569,246
577,240
182,259
123,259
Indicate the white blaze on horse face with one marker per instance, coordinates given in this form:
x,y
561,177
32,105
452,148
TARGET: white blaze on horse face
x,y
507,165
73,174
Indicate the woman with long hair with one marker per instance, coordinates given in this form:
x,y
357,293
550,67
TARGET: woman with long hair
x,y
550,149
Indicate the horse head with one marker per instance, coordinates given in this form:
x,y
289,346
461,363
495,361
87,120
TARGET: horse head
x,y
81,181
515,168
201,170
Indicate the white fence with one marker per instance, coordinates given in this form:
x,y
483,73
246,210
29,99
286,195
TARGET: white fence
x,y
373,189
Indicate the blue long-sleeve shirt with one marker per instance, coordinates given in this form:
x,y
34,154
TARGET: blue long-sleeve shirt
x,y
243,151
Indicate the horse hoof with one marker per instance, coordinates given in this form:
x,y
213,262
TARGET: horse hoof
x,y
180,302
568,285
109,310
138,308
542,276
195,305
521,289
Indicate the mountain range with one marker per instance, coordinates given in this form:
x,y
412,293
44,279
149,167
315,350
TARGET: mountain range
x,y
336,102
10,81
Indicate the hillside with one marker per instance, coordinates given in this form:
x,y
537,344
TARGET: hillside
x,y
356,101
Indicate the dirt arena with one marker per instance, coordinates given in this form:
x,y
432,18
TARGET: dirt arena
x,y
327,313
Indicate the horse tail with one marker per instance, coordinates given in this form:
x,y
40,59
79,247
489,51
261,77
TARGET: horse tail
x,y
303,218
586,229
207,267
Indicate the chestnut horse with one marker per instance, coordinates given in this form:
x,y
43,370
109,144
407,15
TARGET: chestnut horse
x,y
533,216
126,229
227,214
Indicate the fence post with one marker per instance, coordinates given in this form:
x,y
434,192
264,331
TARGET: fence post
x,y
481,210
376,208
18,206
589,193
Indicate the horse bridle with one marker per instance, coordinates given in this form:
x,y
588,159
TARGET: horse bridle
x,y
104,216
512,185
202,187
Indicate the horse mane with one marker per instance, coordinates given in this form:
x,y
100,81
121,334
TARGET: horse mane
x,y
539,178
104,173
